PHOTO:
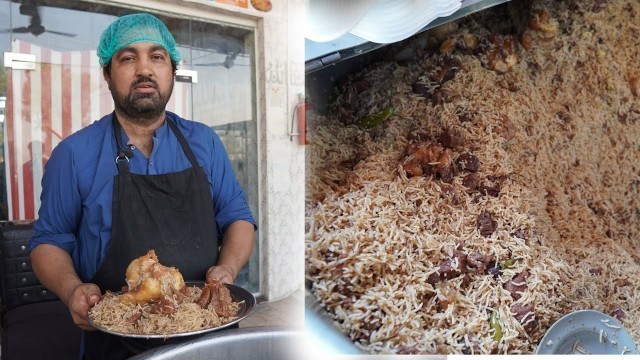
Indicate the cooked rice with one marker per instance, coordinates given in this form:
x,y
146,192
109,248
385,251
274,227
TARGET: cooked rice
x,y
113,315
561,125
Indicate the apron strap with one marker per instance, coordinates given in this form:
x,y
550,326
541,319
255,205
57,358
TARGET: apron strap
x,y
124,153
183,142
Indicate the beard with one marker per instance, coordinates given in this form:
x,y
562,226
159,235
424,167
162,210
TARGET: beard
x,y
142,108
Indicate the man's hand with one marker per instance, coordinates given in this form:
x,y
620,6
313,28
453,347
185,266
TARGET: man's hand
x,y
54,268
82,298
222,273
237,244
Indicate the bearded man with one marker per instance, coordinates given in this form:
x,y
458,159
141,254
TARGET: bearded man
x,y
140,178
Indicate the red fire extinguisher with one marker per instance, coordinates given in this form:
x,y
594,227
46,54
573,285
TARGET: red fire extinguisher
x,y
301,113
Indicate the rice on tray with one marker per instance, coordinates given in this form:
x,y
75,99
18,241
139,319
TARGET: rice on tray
x,y
142,319
541,216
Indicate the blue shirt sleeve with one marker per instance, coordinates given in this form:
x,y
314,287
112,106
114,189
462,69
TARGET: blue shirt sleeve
x,y
229,200
60,212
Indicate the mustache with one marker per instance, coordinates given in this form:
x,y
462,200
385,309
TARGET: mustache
x,y
145,79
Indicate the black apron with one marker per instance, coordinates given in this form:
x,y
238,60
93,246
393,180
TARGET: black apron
x,y
170,213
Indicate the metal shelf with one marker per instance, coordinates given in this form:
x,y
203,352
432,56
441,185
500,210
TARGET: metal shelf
x,y
321,54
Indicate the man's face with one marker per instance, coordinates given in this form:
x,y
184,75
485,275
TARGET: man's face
x,y
141,80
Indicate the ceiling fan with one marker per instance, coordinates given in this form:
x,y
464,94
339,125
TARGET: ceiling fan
x,y
228,62
35,25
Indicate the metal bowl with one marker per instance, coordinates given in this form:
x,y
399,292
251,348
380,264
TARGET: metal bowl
x,y
321,333
587,332
233,344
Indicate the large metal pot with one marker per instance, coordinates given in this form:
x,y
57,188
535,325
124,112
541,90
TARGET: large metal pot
x,y
321,333
241,344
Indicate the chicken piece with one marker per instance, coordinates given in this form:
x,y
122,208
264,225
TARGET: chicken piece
x,y
148,280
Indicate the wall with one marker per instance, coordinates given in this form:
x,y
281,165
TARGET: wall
x,y
284,195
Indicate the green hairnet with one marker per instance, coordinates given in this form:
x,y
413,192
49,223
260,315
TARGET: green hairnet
x,y
134,28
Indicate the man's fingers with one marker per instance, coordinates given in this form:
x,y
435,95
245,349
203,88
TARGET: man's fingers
x,y
83,298
91,290
221,274
93,300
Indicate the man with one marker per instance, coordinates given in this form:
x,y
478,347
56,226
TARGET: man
x,y
138,179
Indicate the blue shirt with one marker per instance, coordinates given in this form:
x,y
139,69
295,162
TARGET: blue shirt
x,y
77,185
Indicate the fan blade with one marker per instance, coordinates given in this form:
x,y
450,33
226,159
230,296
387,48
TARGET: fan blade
x,y
210,64
20,30
60,33
227,65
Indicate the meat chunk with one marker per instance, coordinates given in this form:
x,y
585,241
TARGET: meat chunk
x,y
444,167
449,192
525,315
407,350
163,306
468,162
422,89
449,139
486,224
216,296
433,278
478,262
459,263
492,185
621,282
517,285
450,268
618,314
429,86
495,271
455,266
427,160
148,280
542,22
412,168
419,136
501,57
135,317
470,181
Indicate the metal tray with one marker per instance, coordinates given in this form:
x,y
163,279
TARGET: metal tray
x,y
238,294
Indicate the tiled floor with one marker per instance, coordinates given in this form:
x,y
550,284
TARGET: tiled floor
x,y
285,312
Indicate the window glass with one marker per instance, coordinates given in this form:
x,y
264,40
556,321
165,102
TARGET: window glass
x,y
223,58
